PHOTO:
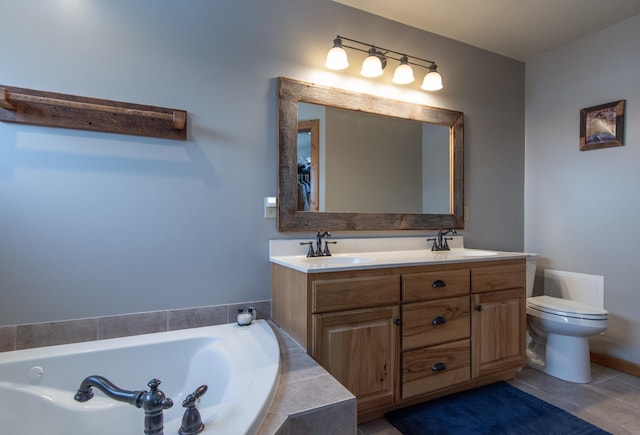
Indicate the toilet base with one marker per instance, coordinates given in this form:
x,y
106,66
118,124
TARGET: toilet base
x,y
565,357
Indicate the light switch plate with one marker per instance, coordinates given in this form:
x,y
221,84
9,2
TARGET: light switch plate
x,y
270,204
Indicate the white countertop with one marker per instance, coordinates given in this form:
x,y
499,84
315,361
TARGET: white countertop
x,y
361,254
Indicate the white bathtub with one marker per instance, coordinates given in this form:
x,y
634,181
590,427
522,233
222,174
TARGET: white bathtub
x,y
239,365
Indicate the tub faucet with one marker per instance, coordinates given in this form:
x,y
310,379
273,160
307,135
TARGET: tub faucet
x,y
152,401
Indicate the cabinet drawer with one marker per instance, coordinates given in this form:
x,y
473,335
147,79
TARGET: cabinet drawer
x,y
434,285
432,368
434,322
352,293
487,279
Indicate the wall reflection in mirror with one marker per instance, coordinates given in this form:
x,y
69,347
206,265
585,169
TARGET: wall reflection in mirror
x,y
369,163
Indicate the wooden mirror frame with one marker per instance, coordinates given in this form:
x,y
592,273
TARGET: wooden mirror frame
x,y
291,92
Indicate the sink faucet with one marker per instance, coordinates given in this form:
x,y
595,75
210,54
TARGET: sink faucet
x,y
152,401
440,242
319,237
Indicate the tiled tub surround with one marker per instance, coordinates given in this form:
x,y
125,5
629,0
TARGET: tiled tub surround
x,y
16,337
43,381
307,399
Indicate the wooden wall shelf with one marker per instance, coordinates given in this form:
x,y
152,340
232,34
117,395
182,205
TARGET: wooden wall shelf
x,y
28,106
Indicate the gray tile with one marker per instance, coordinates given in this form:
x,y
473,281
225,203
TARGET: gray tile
x,y
378,427
629,379
614,388
332,420
50,334
600,373
197,317
309,394
633,424
297,366
274,424
132,324
8,338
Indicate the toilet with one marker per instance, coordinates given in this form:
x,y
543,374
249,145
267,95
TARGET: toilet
x,y
561,322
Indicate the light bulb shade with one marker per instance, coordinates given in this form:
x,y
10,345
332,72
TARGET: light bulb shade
x,y
337,59
372,65
403,74
432,81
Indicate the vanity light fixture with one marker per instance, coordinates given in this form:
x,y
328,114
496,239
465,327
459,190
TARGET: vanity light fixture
x,y
376,61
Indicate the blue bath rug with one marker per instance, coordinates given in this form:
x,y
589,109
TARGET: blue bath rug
x,y
493,409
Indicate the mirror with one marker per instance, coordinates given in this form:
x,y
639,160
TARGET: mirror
x,y
337,209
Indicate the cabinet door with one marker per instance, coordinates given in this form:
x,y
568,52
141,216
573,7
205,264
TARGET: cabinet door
x,y
498,331
360,349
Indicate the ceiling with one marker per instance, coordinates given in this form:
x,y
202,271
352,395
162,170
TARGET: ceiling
x,y
520,29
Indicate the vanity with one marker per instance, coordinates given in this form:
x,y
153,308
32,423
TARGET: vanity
x,y
394,322
397,325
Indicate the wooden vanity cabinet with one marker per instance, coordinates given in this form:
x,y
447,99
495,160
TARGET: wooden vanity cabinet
x,y
356,331
498,320
397,336
347,321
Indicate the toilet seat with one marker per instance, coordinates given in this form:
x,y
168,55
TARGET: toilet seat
x,y
566,308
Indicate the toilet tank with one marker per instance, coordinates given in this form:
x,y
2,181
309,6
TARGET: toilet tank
x,y
579,287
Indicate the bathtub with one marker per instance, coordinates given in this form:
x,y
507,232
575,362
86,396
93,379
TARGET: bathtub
x,y
240,366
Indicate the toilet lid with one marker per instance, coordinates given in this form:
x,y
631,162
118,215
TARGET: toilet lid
x,y
566,307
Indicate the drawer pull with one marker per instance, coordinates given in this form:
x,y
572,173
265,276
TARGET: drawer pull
x,y
438,283
439,321
439,366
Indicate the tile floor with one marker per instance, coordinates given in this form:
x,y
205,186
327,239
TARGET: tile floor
x,y
611,401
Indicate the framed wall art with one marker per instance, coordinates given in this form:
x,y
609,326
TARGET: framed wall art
x,y
602,126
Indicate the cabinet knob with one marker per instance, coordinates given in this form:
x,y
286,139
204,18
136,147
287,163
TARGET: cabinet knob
x,y
478,308
398,322
439,366
439,321
438,283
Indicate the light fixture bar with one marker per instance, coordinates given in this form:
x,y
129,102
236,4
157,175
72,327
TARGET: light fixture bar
x,y
385,50
337,60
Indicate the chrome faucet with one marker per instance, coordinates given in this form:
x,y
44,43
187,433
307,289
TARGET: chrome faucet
x,y
153,402
440,241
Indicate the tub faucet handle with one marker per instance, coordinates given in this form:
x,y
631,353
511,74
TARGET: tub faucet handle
x,y
191,420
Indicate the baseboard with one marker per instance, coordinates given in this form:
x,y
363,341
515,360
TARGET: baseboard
x,y
616,363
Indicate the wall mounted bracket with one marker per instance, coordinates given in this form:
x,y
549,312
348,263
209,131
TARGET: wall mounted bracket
x,y
28,106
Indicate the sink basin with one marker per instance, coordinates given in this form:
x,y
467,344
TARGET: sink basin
x,y
337,260
474,252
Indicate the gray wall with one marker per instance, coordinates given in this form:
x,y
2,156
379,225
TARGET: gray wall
x,y
582,207
98,224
